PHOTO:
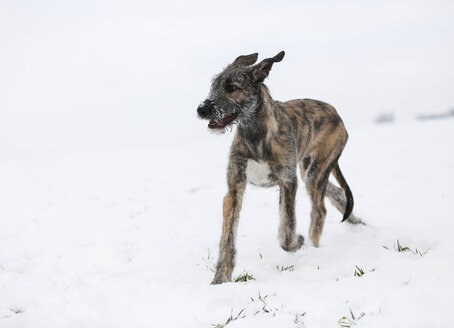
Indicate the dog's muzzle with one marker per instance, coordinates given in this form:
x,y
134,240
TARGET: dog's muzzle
x,y
204,110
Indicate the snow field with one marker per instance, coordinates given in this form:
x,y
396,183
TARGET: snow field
x,y
128,238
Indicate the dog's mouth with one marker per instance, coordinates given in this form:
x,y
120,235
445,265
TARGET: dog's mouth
x,y
223,122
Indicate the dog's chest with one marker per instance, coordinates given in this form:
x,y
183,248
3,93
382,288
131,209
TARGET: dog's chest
x,y
259,173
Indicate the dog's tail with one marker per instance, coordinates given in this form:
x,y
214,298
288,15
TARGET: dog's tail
x,y
348,193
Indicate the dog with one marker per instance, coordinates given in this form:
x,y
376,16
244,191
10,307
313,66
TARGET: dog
x,y
271,140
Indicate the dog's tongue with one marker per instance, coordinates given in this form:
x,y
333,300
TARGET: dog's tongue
x,y
222,122
214,123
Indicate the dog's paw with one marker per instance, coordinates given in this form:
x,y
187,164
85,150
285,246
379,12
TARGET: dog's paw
x,y
300,243
296,245
223,273
352,219
217,280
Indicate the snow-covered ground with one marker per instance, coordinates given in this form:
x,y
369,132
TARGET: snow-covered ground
x,y
128,238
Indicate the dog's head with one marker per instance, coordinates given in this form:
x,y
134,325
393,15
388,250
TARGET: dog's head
x,y
235,92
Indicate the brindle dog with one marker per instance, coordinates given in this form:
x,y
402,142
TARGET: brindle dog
x,y
271,139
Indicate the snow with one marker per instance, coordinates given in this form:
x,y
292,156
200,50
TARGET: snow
x,y
127,237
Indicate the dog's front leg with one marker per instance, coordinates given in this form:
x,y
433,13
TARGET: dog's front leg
x,y
288,238
231,211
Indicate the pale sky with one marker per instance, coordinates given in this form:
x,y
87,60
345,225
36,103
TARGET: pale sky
x,y
112,70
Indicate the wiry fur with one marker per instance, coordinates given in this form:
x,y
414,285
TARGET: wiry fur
x,y
303,132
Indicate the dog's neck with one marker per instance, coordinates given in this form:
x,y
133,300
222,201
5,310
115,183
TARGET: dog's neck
x,y
258,126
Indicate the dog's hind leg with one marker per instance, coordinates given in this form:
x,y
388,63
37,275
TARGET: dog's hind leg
x,y
316,168
315,173
337,197
288,238
316,182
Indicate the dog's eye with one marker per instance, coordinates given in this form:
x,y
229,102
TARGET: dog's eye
x,y
231,87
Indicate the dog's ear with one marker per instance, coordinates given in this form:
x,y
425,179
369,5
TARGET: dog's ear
x,y
261,71
246,60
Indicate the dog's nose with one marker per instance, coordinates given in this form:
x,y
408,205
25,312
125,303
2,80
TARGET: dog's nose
x,y
205,108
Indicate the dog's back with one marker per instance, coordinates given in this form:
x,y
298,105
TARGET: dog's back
x,y
313,122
